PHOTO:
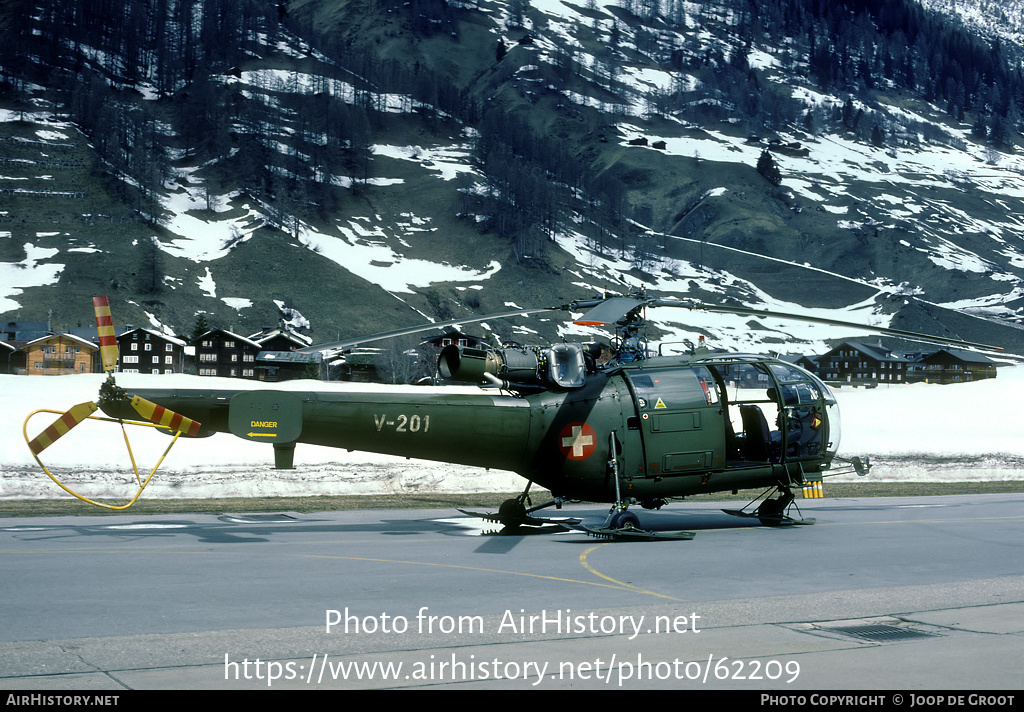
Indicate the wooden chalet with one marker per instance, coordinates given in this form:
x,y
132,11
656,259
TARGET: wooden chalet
x,y
222,353
952,366
288,365
279,338
60,354
356,364
148,351
279,358
857,362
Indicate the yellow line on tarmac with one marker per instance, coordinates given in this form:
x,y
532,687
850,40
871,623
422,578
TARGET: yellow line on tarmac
x,y
177,550
613,584
631,587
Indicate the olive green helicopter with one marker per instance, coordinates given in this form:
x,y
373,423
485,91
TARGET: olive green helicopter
x,y
590,422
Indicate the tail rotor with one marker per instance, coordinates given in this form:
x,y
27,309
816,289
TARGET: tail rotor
x,y
110,394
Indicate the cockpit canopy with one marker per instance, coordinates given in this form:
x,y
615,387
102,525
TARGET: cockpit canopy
x,y
777,411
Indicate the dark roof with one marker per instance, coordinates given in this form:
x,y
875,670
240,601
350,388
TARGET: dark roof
x,y
64,335
233,335
173,339
25,330
875,351
298,339
960,354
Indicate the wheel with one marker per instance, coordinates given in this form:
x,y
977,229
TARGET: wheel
x,y
771,511
624,520
512,510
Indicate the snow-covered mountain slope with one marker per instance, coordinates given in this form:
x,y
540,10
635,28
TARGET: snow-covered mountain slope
x,y
1001,20
860,225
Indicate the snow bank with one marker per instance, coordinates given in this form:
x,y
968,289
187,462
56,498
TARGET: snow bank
x,y
920,432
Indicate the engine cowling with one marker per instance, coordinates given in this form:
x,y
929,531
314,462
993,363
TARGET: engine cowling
x,y
563,366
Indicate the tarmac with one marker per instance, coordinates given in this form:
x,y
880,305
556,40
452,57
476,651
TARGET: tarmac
x,y
888,595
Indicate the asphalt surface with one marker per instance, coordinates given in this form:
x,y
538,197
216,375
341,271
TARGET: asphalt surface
x,y
897,594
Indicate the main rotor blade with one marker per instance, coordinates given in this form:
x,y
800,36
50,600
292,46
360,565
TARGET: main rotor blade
x,y
349,343
885,331
609,311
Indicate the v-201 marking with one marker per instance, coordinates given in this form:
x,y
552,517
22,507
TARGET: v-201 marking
x,y
403,423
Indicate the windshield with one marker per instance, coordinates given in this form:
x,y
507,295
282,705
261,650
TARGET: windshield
x,y
810,412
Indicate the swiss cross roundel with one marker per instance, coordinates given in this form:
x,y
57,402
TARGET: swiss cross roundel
x,y
577,441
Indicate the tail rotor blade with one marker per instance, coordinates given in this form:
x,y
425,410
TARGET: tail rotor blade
x,y
105,326
61,426
167,418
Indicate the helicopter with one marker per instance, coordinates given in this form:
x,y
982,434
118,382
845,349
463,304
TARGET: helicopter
x,y
616,424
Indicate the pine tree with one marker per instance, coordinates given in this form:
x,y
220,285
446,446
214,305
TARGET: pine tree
x,y
767,168
200,327
877,136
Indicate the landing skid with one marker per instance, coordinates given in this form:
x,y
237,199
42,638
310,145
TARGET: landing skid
x,y
513,513
768,520
623,525
524,520
629,533
772,512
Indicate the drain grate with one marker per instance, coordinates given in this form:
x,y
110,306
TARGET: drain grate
x,y
880,632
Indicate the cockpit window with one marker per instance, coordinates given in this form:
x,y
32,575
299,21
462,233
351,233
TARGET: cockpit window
x,y
774,411
799,394
785,373
709,385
